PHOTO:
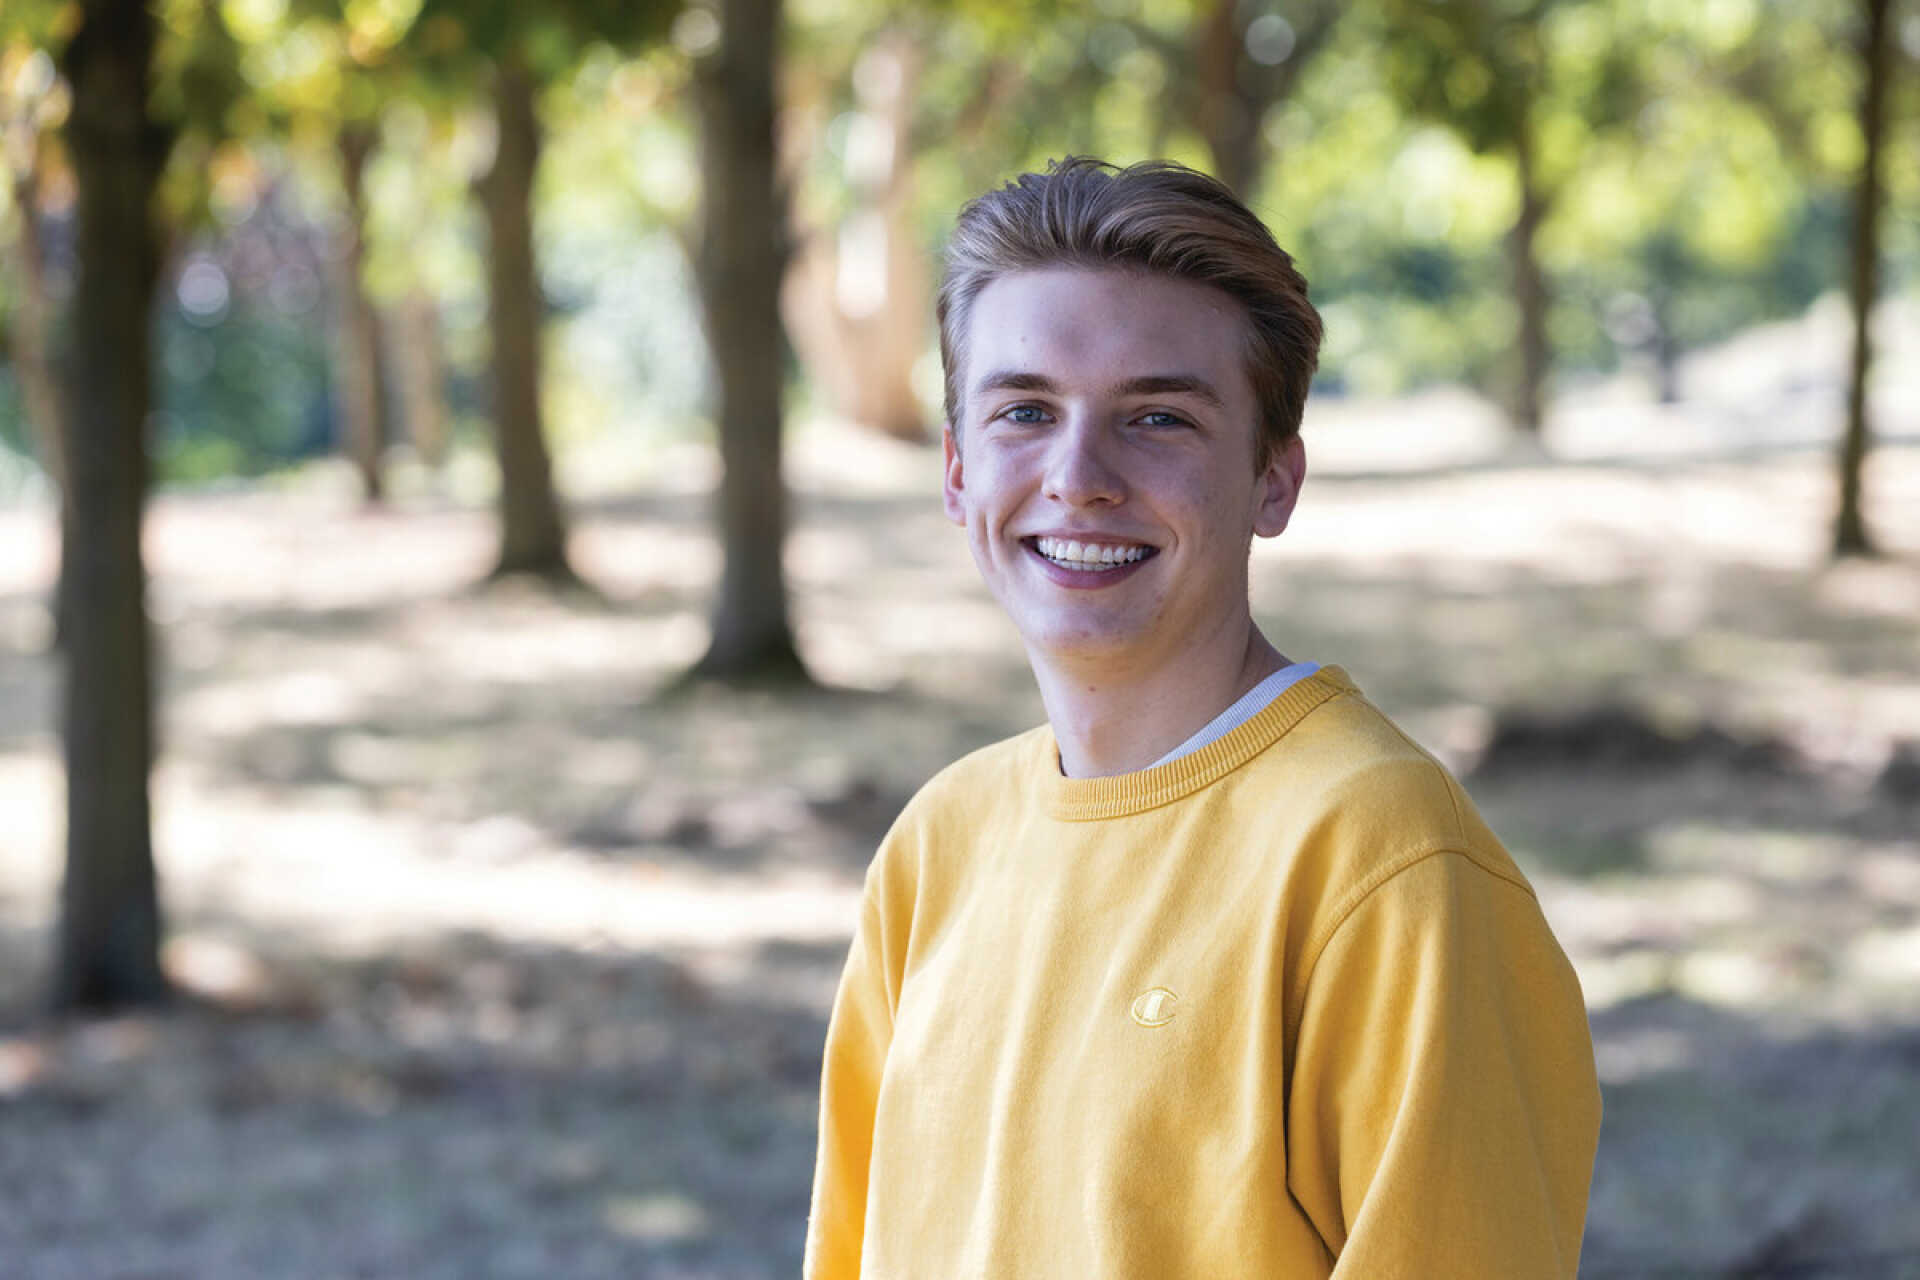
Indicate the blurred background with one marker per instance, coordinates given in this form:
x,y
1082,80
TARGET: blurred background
x,y
473,591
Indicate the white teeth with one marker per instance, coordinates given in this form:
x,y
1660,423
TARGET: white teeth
x,y
1087,555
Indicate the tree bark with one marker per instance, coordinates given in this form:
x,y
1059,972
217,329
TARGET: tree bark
x,y
1530,290
1233,91
532,531
422,370
1666,358
356,371
1227,119
32,328
740,259
109,935
857,298
32,333
1850,533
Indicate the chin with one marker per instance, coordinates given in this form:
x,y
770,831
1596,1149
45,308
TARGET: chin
x,y
1076,644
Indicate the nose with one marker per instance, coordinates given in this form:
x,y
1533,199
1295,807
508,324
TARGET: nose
x,y
1081,470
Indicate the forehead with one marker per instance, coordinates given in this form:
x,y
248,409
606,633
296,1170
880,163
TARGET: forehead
x,y
1073,324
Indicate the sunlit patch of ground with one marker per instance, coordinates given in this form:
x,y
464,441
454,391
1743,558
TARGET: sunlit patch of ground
x,y
513,959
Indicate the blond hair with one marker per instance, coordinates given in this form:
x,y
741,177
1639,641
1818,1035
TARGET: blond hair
x,y
1159,218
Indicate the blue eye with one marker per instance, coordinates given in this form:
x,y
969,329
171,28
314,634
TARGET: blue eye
x,y
1025,414
1160,418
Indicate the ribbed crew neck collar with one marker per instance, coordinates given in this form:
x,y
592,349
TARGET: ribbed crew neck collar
x,y
1090,799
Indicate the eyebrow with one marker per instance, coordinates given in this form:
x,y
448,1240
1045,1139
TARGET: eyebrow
x,y
1155,384
1014,380
1172,384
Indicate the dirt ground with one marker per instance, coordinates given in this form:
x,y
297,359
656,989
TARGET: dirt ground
x,y
505,958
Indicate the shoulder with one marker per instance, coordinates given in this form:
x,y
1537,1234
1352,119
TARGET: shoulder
x,y
945,817
1373,800
996,775
1354,815
1010,763
1395,879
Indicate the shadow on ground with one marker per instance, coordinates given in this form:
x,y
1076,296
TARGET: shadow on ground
x,y
458,1108
1731,1151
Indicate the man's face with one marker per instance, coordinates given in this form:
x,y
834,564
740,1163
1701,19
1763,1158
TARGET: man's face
x,y
1104,471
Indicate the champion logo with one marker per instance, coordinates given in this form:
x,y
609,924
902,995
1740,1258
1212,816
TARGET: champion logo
x,y
1154,1007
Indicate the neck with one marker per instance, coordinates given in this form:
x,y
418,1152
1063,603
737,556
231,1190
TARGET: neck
x,y
1109,720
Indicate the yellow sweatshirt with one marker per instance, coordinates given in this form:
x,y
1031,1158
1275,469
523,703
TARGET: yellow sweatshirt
x,y
1282,1007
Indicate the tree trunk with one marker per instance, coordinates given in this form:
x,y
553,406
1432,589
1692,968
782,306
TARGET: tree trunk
x,y
1529,285
741,255
857,299
33,324
1229,118
1666,351
1850,535
422,370
32,333
1239,76
108,948
532,533
356,370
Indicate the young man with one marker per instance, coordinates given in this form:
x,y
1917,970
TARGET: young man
x,y
1216,974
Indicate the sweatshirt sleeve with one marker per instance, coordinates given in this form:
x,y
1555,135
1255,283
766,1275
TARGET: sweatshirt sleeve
x,y
858,1033
1443,1109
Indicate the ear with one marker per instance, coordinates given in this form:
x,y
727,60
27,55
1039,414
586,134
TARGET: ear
x,y
1278,489
952,482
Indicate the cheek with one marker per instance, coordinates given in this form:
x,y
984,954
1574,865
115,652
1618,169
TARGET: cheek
x,y
990,491
982,517
1208,501
1221,512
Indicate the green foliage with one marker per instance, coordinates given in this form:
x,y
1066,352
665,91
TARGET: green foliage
x,y
456,38
618,185
197,78
422,230
241,371
15,445
1698,159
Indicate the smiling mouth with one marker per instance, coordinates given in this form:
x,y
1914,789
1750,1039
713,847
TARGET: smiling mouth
x,y
1094,557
